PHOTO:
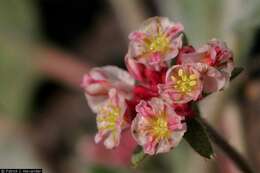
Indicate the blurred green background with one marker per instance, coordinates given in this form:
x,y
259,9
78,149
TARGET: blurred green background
x,y
47,45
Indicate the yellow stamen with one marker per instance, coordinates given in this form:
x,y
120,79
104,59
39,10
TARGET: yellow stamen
x,y
160,127
192,83
193,76
185,82
180,72
107,127
158,43
109,114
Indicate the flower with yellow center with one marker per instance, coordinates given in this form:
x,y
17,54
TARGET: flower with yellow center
x,y
160,128
183,84
215,63
108,118
157,127
155,42
158,43
110,121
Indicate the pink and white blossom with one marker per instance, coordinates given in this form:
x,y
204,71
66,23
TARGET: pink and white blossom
x,y
182,85
155,97
155,42
99,81
213,79
214,61
110,119
215,53
157,127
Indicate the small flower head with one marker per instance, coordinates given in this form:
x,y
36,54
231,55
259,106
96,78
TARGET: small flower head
x,y
223,54
182,84
214,61
157,127
215,53
156,41
99,81
110,120
224,61
213,79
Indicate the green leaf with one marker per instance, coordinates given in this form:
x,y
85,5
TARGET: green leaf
x,y
236,72
138,156
198,138
185,39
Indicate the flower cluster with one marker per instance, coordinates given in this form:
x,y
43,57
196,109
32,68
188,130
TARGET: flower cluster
x,y
154,98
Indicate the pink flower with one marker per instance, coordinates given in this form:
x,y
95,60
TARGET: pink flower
x,y
213,79
110,119
224,61
157,41
99,81
157,127
107,89
214,61
215,53
223,55
183,84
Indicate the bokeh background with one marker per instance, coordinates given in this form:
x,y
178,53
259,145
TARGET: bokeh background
x,y
47,45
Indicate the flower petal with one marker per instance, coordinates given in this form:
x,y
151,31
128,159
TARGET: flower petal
x,y
134,68
218,60
213,79
161,130
99,81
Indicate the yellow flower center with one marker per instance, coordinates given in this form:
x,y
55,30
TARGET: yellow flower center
x,y
110,114
159,43
160,128
184,82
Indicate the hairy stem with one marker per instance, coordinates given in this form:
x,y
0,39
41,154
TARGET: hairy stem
x,y
231,152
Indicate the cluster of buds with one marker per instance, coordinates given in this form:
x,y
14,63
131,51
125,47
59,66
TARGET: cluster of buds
x,y
154,97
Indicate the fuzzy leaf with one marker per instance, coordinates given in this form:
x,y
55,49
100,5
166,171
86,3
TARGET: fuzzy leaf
x,y
138,156
236,72
197,137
